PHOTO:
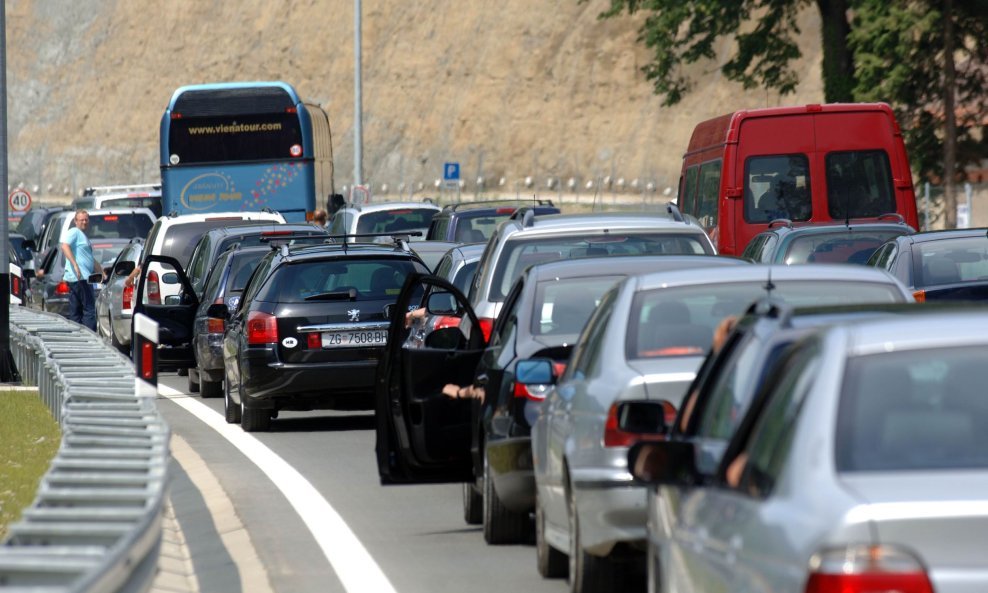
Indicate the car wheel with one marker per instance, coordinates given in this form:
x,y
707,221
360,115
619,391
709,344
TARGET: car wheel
x,y
183,371
473,505
552,563
253,419
587,573
231,409
193,380
501,525
209,388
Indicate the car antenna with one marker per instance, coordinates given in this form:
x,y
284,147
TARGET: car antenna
x,y
769,287
596,191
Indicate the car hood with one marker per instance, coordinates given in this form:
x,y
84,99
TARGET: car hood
x,y
940,515
665,378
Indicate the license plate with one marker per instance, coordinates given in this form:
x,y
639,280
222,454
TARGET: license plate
x,y
355,339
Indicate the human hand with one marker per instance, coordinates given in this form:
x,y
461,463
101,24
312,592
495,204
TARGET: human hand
x,y
411,316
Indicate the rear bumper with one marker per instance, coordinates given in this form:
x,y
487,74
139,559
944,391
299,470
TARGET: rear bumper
x,y
310,386
612,509
510,464
209,355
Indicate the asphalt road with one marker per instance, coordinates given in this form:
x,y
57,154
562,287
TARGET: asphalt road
x,y
233,512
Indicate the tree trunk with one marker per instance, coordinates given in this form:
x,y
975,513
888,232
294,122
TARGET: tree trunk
x,y
949,118
838,61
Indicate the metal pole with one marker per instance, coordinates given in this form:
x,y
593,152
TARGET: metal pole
x,y
8,371
970,212
926,206
358,134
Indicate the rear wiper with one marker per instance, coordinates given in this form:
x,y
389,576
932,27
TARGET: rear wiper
x,y
339,295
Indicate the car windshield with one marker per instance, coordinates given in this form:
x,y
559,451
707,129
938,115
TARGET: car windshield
x,y
680,321
563,306
372,279
914,410
397,220
951,261
838,247
518,254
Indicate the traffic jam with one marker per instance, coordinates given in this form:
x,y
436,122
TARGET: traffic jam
x,y
771,383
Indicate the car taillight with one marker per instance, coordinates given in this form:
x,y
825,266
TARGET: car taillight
x,y
15,285
154,289
444,321
533,392
215,325
62,287
615,436
486,327
867,569
262,328
920,296
127,299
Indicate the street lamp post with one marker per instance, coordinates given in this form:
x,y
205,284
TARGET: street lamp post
x,y
358,133
8,372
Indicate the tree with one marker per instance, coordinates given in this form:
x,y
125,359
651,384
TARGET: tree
x,y
684,31
929,60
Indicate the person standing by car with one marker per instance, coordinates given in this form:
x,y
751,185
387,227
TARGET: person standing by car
x,y
79,265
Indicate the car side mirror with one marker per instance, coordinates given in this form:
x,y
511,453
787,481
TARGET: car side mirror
x,y
169,278
218,311
535,371
124,268
649,419
95,277
173,299
664,462
442,303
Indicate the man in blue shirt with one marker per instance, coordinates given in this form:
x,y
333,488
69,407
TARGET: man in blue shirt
x,y
79,265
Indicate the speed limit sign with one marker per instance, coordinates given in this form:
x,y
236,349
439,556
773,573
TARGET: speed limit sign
x,y
19,200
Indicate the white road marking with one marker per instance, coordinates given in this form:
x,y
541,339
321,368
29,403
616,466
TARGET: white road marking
x,y
350,560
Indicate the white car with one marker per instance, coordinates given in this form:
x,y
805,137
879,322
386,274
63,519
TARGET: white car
x,y
386,217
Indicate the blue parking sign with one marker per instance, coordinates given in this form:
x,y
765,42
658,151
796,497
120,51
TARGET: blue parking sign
x,y
451,171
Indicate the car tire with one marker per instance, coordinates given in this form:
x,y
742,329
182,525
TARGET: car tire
x,y
193,380
182,371
231,409
587,573
501,525
552,563
253,419
209,388
473,505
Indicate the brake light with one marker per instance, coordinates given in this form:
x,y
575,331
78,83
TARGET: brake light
x,y
127,299
15,285
504,210
615,436
176,115
291,110
262,328
314,341
405,211
445,321
62,287
215,325
486,327
111,218
920,296
276,233
154,289
867,569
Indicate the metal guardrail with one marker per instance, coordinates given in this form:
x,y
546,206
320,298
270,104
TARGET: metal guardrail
x,y
95,525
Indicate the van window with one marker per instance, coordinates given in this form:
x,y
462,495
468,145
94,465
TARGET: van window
x,y
859,184
709,191
689,191
777,187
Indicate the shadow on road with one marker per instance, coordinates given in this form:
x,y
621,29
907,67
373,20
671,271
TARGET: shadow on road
x,y
324,423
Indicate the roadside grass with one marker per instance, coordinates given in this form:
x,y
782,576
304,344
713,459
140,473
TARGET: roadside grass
x,y
29,439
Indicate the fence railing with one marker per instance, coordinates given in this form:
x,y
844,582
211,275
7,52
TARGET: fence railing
x,y
95,524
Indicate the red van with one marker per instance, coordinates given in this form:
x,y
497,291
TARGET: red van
x,y
809,164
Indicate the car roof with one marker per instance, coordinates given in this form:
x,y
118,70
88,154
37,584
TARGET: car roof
x,y
948,234
379,206
316,252
102,211
852,227
936,329
625,265
170,219
471,251
843,272
252,227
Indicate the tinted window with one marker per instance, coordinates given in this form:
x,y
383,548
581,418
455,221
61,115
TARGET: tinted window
x,y
118,226
212,289
234,138
586,353
372,278
777,187
949,261
562,307
179,240
680,321
753,252
708,193
914,410
478,228
519,254
260,277
464,276
838,247
242,267
444,267
390,221
689,190
859,184
438,229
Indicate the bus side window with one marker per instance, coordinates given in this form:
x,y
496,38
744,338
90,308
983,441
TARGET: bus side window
x,y
689,191
708,194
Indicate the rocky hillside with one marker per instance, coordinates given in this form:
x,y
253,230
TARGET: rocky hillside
x,y
510,89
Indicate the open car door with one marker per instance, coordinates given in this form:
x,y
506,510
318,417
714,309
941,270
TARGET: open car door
x,y
423,436
175,317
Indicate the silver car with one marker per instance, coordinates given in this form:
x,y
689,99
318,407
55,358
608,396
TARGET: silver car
x,y
115,303
862,466
639,352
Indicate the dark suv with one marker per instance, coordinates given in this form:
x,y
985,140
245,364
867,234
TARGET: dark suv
x,y
473,222
310,327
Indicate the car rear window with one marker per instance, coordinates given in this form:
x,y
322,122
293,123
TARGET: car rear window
x,y
242,267
373,279
914,410
563,306
951,261
118,226
680,321
180,240
477,228
399,219
838,247
859,184
777,187
518,254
